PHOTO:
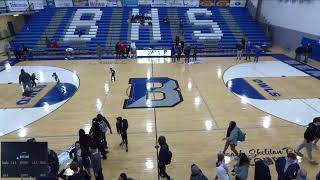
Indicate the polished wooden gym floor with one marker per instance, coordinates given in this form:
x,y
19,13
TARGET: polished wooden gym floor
x,y
194,128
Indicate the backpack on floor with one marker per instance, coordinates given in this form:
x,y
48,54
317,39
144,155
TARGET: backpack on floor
x,y
241,135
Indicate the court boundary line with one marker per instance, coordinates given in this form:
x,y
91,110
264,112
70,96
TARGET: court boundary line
x,y
202,97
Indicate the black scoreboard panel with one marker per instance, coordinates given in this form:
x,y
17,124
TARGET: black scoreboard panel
x,y
24,159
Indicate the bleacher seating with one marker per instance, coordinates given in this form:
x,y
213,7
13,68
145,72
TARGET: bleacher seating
x,y
210,29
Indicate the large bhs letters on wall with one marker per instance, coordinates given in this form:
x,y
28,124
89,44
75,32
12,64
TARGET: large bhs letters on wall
x,y
63,3
22,5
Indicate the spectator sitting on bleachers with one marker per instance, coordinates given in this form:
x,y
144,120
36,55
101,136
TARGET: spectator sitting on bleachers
x,y
142,19
48,42
122,49
55,44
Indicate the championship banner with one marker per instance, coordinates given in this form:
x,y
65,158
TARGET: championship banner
x,y
145,2
114,3
237,3
206,2
63,3
23,5
104,3
172,3
97,3
80,2
223,3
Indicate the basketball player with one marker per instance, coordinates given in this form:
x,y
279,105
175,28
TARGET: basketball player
x,y
113,74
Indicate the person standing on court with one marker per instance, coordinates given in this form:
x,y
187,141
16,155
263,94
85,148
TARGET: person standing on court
x,y
33,80
221,168
25,80
113,75
96,162
231,138
99,51
287,167
173,53
133,49
97,136
248,49
309,136
78,173
195,52
196,173
261,170
164,158
7,51
56,78
187,52
84,139
80,155
307,52
104,125
122,127
53,162
242,167
239,51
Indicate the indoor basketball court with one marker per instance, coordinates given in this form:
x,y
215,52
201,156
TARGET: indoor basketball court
x,y
194,125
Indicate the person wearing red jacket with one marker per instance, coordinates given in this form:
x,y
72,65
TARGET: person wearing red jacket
x,y
55,44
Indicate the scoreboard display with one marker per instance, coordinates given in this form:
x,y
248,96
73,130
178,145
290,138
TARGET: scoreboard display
x,y
24,159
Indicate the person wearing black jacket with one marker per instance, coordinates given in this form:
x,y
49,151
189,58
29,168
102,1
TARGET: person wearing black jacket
x,y
104,125
261,171
53,162
122,127
78,174
163,157
84,139
80,155
187,52
299,51
307,52
25,80
309,136
97,136
49,176
287,167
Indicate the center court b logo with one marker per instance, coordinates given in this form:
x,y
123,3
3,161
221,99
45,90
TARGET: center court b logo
x,y
153,92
